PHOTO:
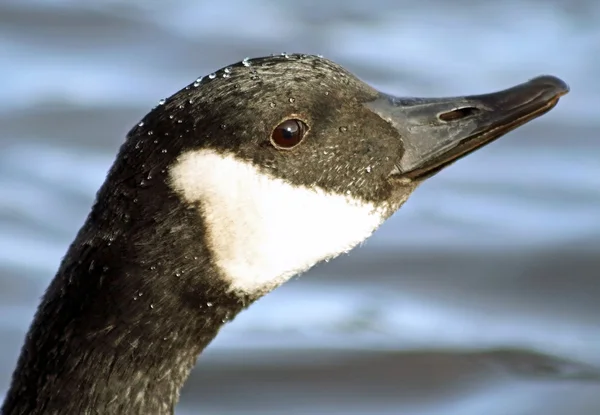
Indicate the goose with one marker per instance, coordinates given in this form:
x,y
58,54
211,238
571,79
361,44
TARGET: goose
x,y
225,190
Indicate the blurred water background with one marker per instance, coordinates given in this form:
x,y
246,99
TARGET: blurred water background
x,y
481,296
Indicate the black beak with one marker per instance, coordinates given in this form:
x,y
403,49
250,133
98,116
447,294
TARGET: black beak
x,y
438,131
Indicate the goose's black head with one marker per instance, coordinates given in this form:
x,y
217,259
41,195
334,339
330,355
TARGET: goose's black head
x,y
289,160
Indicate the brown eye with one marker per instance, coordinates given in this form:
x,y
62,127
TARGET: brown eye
x,y
288,134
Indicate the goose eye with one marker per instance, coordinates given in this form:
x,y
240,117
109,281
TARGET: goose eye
x,y
288,134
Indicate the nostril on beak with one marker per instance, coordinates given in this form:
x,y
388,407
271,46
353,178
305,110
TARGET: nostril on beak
x,y
458,114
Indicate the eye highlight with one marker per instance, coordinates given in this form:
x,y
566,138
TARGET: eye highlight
x,y
288,134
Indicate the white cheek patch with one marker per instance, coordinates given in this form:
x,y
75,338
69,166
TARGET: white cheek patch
x,y
262,230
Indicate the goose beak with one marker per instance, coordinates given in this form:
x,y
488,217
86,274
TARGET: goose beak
x,y
438,131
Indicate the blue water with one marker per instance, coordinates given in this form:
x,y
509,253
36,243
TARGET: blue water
x,y
479,297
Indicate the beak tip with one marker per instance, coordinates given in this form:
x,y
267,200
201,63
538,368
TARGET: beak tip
x,y
553,83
